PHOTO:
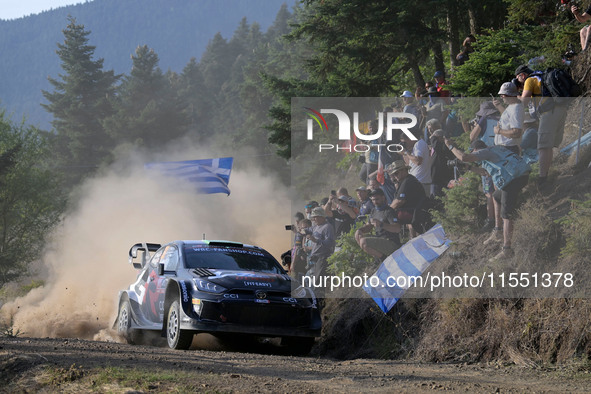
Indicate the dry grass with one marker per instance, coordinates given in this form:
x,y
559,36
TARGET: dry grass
x,y
357,328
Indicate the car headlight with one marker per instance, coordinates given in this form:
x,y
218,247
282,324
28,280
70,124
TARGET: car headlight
x,y
209,287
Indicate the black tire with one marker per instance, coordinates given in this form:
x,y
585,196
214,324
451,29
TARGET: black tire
x,y
177,338
124,323
297,346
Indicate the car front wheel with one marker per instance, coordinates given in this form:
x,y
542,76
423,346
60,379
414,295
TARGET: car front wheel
x,y
177,338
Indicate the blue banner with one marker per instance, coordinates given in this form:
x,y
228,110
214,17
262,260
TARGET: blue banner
x,y
208,175
405,264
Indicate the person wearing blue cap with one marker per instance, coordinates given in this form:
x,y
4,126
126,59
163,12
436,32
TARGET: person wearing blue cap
x,y
440,83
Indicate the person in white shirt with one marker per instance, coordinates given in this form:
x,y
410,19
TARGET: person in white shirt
x,y
509,129
416,156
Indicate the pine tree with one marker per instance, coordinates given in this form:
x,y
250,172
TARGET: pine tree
x,y
80,102
149,113
197,105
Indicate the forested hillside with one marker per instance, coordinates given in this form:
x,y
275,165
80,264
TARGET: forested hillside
x,y
237,93
177,30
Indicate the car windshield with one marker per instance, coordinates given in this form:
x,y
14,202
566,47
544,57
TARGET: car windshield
x,y
230,258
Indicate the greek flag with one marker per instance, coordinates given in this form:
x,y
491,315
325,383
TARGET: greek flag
x,y
405,264
208,175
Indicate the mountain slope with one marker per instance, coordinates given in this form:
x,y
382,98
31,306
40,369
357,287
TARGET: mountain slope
x,y
177,30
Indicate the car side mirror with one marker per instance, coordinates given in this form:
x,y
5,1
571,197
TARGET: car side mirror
x,y
160,269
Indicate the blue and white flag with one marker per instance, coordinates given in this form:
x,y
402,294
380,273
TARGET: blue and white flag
x,y
208,175
405,265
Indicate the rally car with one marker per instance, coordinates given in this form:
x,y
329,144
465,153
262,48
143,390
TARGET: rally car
x,y
218,287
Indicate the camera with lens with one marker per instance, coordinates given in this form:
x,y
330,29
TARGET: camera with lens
x,y
455,163
564,5
570,52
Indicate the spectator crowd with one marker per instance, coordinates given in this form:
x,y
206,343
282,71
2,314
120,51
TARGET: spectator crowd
x,y
507,134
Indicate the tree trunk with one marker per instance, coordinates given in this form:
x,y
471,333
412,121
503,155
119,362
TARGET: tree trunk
x,y
452,31
437,51
416,73
474,27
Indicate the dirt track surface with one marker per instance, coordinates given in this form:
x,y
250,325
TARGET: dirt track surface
x,y
22,360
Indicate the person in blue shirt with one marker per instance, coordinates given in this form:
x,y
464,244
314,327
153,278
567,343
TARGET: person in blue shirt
x,y
510,173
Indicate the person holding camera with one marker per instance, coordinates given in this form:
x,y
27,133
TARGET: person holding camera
x,y
510,173
383,220
322,237
410,194
441,173
298,256
342,208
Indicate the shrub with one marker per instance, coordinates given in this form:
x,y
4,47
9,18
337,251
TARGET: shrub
x,y
577,228
350,259
460,206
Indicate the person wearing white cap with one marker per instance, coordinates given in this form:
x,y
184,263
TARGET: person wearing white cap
x,y
411,107
509,130
365,205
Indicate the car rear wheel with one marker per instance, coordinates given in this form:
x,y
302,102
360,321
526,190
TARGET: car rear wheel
x,y
124,323
177,338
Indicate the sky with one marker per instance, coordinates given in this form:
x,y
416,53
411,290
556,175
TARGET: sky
x,y
13,9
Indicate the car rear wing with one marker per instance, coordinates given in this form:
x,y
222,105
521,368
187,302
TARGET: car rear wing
x,y
146,248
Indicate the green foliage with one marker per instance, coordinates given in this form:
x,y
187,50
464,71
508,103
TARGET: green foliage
x,y
493,62
32,285
350,259
12,291
347,161
80,102
60,376
577,227
178,31
556,42
536,12
146,380
460,206
148,111
30,197
499,52
8,330
467,107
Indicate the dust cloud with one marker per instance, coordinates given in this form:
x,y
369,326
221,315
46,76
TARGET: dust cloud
x,y
87,255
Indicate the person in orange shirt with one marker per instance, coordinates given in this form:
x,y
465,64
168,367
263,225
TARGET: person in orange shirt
x,y
551,129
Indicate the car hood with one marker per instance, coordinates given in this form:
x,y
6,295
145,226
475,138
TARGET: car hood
x,y
251,280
